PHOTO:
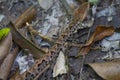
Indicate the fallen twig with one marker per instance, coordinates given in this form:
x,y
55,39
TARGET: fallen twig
x,y
35,32
83,57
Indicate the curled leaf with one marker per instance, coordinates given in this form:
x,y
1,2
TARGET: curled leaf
x,y
107,70
100,33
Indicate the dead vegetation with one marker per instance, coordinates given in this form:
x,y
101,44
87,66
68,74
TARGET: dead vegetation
x,y
59,40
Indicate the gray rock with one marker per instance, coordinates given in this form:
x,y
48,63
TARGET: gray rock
x,y
45,4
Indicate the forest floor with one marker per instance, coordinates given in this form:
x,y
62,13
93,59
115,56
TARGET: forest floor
x,y
52,19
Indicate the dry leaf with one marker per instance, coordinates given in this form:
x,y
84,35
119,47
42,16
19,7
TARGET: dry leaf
x,y
5,46
81,11
106,31
25,43
107,70
7,64
27,16
59,67
100,33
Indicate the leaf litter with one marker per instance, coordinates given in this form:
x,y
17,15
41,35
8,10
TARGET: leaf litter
x,y
54,22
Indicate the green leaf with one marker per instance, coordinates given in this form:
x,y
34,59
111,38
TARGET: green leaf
x,y
93,1
4,32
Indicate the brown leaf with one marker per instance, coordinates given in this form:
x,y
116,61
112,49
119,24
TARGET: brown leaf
x,y
107,70
25,43
7,64
81,11
100,33
5,46
107,31
27,16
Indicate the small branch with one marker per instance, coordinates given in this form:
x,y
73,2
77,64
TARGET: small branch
x,y
35,32
76,45
82,63
83,58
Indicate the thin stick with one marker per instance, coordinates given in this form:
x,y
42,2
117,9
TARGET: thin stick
x,y
83,57
35,32
83,60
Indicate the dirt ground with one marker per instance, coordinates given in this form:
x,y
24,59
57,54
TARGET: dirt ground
x,y
13,10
